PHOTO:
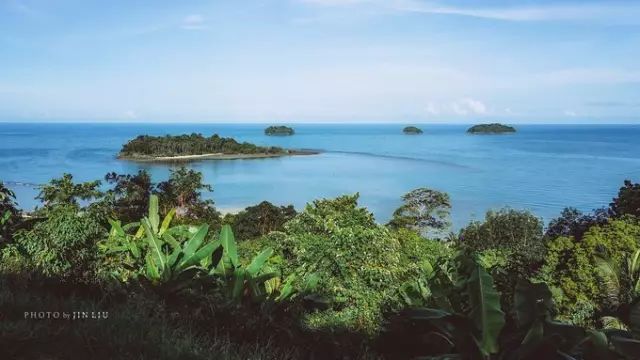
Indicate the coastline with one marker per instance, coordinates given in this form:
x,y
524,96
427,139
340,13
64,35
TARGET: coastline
x,y
215,156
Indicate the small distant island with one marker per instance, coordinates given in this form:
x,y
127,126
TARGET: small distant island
x,y
494,128
279,131
412,130
198,147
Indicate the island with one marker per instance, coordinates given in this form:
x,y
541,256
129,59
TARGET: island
x,y
412,130
279,131
494,128
198,147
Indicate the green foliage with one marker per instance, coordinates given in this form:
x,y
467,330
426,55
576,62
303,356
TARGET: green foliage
x,y
261,219
514,239
359,263
471,331
279,130
423,210
9,212
63,191
194,144
183,191
577,269
572,222
130,194
64,244
627,202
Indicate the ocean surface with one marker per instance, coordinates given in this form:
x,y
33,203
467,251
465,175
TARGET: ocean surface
x,y
543,168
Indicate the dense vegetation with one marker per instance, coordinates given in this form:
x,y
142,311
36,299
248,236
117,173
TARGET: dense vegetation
x,y
279,130
176,280
412,130
194,144
494,128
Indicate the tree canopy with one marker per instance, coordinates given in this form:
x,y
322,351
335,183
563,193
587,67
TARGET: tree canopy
x,y
194,144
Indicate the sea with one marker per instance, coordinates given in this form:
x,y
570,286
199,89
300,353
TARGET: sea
x,y
541,168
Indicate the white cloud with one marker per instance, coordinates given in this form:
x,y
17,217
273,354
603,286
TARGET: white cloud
x,y
570,113
194,22
468,106
605,11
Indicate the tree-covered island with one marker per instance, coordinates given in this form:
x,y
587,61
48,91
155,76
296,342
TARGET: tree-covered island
x,y
198,147
279,131
494,128
412,130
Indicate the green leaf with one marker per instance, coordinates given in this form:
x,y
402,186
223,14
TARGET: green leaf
x,y
237,287
166,221
154,245
154,216
531,302
229,245
485,310
196,240
204,252
256,264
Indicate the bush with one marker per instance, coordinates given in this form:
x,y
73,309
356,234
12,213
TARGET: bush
x,y
261,219
360,263
572,266
514,239
64,244
627,202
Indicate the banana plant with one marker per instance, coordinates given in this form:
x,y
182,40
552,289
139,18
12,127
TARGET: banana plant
x,y
241,280
474,332
175,268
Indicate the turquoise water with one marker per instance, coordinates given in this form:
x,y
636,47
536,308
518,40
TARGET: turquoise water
x,y
542,168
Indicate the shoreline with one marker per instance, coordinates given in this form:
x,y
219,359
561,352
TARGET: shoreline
x,y
215,156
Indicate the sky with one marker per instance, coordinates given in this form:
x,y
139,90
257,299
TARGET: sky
x,y
289,61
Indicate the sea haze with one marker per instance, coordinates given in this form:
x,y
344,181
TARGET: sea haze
x,y
543,168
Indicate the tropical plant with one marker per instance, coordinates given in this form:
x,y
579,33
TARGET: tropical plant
x,y
183,191
63,191
261,219
423,210
63,244
627,202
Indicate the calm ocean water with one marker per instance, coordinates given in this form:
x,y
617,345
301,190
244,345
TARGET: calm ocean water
x,y
542,168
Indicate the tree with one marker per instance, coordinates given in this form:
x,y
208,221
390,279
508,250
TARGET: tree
x,y
572,222
130,194
63,191
64,244
358,262
512,240
575,267
8,211
627,202
183,191
423,210
261,219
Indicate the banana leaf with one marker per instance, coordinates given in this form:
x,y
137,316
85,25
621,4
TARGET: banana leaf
x,y
485,312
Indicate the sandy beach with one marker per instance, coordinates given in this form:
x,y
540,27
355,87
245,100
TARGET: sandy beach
x,y
215,156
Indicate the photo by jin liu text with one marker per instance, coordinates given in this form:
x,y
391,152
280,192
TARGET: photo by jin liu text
x,y
66,315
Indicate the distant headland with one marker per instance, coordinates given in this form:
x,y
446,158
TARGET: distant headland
x,y
279,131
494,128
197,147
412,130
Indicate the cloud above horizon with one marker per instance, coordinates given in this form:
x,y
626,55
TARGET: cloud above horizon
x,y
321,60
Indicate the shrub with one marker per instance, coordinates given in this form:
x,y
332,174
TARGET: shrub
x,y
573,267
513,235
627,202
360,264
64,244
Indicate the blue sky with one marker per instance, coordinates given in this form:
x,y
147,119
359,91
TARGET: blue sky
x,y
320,61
